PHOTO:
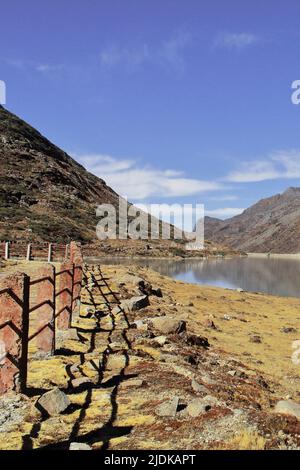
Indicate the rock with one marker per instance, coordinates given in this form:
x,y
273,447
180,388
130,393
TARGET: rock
x,y
207,379
198,387
80,381
79,446
145,287
288,407
197,407
65,335
196,340
130,279
54,402
232,373
156,291
168,408
74,368
140,325
168,325
288,330
134,383
255,339
117,346
135,303
208,323
116,310
160,340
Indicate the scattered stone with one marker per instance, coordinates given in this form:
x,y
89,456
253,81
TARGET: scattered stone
x,y
130,279
207,379
135,303
140,325
145,287
198,388
54,402
134,383
13,410
168,408
196,340
74,368
288,407
81,381
241,374
64,335
117,346
255,339
156,291
227,318
288,330
168,325
197,407
232,373
208,323
79,446
160,340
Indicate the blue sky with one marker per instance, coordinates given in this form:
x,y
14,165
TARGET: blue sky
x,y
169,101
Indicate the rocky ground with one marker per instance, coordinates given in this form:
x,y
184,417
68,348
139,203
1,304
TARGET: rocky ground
x,y
153,249
153,363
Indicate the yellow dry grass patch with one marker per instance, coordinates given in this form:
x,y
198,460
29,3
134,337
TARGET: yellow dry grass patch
x,y
247,440
48,373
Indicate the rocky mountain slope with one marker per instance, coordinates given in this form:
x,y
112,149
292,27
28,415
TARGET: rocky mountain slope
x,y
270,225
44,193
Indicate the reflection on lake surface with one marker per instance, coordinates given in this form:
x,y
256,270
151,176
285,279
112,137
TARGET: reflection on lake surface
x,y
275,276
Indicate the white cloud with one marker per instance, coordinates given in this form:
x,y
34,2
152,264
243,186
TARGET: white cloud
x,y
48,68
223,198
138,183
169,53
235,40
282,164
24,64
224,212
115,55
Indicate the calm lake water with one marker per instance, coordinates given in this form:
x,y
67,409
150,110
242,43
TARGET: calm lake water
x,y
275,276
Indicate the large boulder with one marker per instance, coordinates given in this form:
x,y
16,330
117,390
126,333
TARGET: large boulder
x,y
168,325
135,303
288,407
168,408
54,402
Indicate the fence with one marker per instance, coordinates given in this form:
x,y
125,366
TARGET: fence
x,y
53,297
34,251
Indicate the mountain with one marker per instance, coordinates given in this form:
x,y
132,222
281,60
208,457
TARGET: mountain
x,y
270,225
44,193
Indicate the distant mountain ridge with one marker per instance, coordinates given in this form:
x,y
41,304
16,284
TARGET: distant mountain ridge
x,y
270,225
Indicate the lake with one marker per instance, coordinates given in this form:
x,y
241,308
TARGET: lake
x,y
277,276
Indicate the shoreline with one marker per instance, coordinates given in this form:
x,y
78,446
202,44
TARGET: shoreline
x,y
274,255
